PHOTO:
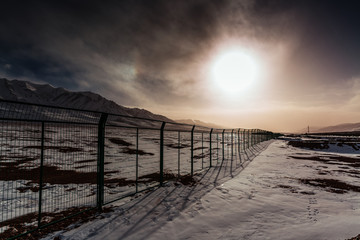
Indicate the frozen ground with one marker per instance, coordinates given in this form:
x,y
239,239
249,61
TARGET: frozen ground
x,y
285,192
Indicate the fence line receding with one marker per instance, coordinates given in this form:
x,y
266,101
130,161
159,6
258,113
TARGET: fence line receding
x,y
57,162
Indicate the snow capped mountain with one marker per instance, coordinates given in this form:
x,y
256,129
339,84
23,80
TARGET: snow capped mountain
x,y
199,123
46,94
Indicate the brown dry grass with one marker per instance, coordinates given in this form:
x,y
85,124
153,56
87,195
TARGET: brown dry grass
x,y
331,185
332,159
120,142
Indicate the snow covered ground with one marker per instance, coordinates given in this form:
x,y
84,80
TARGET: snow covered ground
x,y
285,192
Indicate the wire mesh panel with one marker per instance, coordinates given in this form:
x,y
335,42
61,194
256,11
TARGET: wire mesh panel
x,y
220,147
243,139
238,148
172,147
231,151
206,150
235,155
226,160
214,149
32,112
119,162
198,148
246,139
19,174
148,158
185,153
228,146
32,156
69,170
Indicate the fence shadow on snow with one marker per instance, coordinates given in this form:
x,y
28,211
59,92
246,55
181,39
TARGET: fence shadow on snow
x,y
165,204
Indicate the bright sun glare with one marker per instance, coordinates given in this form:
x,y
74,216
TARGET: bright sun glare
x,y
234,70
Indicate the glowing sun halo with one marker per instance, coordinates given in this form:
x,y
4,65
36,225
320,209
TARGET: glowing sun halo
x,y
234,70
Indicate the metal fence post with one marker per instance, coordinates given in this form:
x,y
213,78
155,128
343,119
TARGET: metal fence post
x,y
100,162
223,144
232,150
248,138
162,153
260,134
232,143
192,150
41,171
255,136
217,147
243,138
211,147
202,150
252,137
178,154
137,159
264,136
239,148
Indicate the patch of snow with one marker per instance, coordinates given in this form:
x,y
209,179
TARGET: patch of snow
x,y
30,87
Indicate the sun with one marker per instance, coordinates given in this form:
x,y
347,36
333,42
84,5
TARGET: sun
x,y
234,70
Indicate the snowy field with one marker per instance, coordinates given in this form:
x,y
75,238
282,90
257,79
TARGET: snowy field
x,y
284,192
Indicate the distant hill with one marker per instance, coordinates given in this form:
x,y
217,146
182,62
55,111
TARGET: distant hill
x,y
312,129
340,128
46,94
199,123
345,127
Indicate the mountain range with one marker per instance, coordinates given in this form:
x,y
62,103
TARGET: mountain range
x,y
344,127
340,128
46,94
25,91
199,123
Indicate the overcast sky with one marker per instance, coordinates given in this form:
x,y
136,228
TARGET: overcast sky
x,y
157,55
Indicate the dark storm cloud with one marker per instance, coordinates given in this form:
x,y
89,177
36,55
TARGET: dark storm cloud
x,y
140,50
74,43
329,38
